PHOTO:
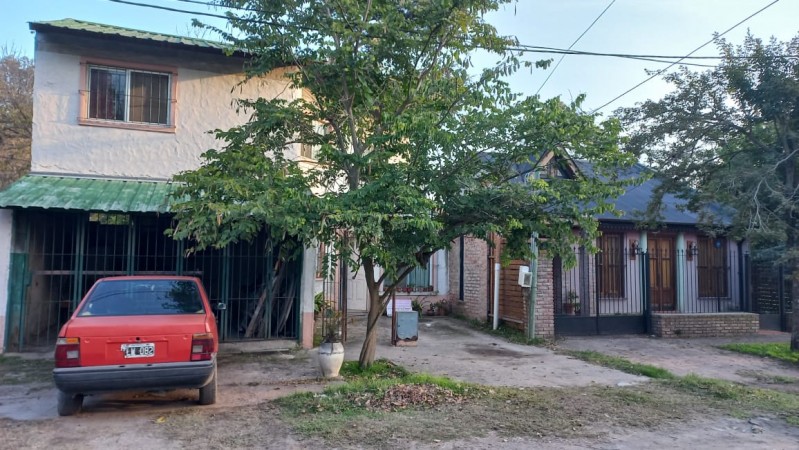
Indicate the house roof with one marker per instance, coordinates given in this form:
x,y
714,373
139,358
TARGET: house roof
x,y
635,199
87,194
83,27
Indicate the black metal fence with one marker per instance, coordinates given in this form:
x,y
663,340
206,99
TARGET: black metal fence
x,y
770,288
56,257
663,281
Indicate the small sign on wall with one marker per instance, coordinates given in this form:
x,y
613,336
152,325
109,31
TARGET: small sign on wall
x,y
404,304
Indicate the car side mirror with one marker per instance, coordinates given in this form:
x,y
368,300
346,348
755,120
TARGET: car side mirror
x,y
221,306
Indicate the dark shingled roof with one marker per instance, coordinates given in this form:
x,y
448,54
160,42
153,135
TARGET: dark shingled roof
x,y
633,202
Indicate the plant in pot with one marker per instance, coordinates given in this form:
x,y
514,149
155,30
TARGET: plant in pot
x,y
416,305
572,304
443,308
318,303
331,350
432,308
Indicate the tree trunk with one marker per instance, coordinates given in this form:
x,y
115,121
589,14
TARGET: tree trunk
x,y
370,341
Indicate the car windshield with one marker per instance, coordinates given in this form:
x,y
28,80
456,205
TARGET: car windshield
x,y
143,297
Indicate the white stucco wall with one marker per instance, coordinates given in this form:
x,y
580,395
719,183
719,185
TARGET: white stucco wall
x,y
6,221
204,103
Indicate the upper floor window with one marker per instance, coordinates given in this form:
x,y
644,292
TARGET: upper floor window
x,y
310,151
128,97
552,170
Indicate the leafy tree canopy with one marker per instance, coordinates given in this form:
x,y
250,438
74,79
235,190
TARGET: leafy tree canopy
x,y
414,147
730,137
16,114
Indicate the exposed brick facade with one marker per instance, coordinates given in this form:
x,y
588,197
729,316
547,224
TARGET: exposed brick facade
x,y
704,325
477,283
544,304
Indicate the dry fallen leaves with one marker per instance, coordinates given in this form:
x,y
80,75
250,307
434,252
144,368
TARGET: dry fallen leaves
x,y
403,396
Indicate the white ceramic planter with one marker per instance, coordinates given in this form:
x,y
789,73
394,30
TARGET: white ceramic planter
x,y
331,357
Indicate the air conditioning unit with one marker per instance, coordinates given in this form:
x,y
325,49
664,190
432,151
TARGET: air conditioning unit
x,y
525,277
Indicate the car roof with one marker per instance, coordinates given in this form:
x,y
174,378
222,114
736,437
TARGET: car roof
x,y
149,277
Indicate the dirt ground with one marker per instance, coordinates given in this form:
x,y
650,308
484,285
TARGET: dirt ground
x,y
245,417
700,356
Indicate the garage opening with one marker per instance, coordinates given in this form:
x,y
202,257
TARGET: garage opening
x,y
57,256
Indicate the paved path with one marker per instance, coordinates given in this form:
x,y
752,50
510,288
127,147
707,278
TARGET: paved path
x,y
449,347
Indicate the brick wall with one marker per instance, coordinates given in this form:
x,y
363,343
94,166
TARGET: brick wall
x,y
544,303
704,325
475,282
476,294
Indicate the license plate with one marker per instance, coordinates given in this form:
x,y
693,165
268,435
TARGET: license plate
x,y
138,350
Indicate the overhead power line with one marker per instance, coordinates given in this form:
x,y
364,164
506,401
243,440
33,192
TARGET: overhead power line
x,y
573,44
518,47
658,73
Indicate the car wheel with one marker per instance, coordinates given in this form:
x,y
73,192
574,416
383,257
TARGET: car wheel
x,y
208,392
69,404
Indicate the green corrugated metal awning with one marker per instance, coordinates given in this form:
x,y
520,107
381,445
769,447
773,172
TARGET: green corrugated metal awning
x,y
111,30
87,194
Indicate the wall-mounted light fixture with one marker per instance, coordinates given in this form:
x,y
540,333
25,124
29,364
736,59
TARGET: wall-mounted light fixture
x,y
634,248
692,250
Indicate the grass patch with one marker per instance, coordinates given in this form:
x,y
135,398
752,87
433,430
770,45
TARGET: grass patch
x,y
741,400
768,378
16,370
346,413
369,396
775,350
624,365
382,368
508,333
385,405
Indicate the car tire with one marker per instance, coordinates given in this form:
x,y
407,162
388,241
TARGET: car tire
x,y
69,404
208,392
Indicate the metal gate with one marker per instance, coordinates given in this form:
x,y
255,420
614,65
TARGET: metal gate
x,y
600,295
616,291
771,294
57,256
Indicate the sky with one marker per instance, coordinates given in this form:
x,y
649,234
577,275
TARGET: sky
x,y
657,27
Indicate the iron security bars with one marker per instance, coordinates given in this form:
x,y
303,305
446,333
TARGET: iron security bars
x,y
619,281
57,257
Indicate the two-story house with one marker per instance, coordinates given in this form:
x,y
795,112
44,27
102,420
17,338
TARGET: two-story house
x,y
117,113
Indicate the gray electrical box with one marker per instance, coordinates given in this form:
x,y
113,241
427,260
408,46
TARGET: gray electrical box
x,y
407,328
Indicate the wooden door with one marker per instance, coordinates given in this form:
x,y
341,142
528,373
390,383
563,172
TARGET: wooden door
x,y
661,273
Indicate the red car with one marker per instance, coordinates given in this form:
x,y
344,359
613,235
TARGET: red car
x,y
137,333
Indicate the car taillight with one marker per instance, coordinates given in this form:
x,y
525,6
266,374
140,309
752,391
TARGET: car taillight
x,y
67,352
202,347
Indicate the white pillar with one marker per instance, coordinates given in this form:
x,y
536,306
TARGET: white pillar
x,y
681,262
442,277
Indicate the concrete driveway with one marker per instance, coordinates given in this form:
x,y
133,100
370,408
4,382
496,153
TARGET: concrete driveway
x,y
450,347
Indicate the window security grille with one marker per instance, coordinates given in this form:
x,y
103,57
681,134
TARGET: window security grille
x,y
127,95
